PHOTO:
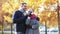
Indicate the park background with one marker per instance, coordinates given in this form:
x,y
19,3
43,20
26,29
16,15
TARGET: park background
x,y
46,10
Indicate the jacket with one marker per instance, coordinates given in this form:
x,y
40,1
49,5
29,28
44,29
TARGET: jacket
x,y
19,19
34,25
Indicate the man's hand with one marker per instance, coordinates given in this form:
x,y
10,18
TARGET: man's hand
x,y
25,14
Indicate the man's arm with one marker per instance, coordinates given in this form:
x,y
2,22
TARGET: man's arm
x,y
18,18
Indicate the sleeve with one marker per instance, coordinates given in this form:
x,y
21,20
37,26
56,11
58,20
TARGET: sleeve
x,y
37,18
17,18
28,21
36,25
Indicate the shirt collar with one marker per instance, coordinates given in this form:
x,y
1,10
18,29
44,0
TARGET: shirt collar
x,y
22,10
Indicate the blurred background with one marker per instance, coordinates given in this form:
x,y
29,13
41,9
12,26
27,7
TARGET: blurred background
x,y
46,10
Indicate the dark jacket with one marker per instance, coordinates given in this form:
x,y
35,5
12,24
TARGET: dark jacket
x,y
19,19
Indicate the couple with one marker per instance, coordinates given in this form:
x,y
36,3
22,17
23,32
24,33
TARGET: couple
x,y
26,23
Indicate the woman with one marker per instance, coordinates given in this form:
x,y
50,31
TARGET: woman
x,y
32,23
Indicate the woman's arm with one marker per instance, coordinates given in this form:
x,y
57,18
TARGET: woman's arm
x,y
38,18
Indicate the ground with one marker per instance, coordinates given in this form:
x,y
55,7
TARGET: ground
x,y
9,32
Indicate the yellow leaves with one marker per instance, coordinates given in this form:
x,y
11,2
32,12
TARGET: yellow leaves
x,y
9,19
51,2
5,7
49,17
49,14
45,15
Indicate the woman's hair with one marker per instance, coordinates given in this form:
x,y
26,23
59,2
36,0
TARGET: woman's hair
x,y
30,10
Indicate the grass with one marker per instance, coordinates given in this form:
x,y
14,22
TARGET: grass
x,y
5,33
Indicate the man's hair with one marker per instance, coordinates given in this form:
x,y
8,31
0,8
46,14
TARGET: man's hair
x,y
23,3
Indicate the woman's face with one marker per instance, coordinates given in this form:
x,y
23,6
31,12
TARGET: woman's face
x,y
28,12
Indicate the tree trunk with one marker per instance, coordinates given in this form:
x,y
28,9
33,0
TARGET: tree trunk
x,y
58,17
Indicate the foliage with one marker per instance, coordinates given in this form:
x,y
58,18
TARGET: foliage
x,y
45,9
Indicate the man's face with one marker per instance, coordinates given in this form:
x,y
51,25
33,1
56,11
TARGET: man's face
x,y
24,6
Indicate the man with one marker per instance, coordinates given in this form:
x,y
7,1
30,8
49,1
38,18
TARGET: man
x,y
19,18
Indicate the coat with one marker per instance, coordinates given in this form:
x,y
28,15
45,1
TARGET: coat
x,y
33,25
19,19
